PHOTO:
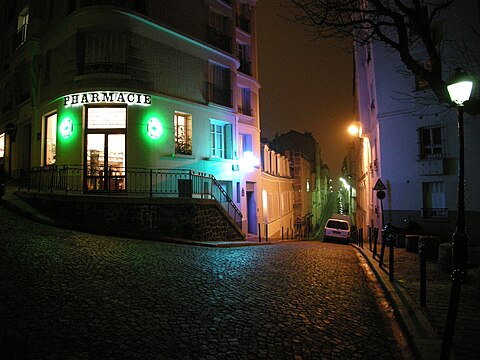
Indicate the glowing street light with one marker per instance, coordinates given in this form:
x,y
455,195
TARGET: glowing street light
x,y
353,130
459,89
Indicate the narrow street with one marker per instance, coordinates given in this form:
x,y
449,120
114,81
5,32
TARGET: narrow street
x,y
71,295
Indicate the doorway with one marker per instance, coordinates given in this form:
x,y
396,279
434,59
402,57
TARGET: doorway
x,y
251,208
105,149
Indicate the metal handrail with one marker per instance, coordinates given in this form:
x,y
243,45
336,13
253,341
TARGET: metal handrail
x,y
135,181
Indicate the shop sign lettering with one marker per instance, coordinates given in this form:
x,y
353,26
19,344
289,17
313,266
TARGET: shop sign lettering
x,y
107,97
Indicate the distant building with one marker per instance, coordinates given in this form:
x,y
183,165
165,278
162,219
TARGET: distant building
x,y
311,183
278,198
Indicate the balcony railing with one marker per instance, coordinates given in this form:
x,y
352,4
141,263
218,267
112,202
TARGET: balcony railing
x,y
219,39
245,110
105,68
219,95
245,67
133,181
243,23
435,214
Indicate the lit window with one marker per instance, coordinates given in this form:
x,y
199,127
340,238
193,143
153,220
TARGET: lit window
x,y
2,145
183,134
221,140
431,142
22,26
50,139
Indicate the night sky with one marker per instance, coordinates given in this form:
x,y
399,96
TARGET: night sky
x,y
306,83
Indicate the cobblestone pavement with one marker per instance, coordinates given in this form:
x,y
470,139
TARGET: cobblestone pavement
x,y
467,326
71,295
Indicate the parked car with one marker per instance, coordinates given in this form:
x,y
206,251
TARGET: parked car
x,y
338,229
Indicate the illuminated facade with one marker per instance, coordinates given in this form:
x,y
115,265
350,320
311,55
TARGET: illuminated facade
x,y
411,142
113,87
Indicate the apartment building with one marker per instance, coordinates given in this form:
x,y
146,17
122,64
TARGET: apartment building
x,y
410,142
113,89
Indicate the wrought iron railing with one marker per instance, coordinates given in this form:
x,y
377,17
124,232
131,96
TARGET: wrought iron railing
x,y
435,213
133,181
219,95
219,39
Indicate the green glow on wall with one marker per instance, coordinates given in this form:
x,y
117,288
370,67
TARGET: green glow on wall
x,y
154,128
69,126
66,127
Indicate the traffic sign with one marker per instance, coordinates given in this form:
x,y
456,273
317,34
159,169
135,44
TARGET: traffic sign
x,y
379,185
381,194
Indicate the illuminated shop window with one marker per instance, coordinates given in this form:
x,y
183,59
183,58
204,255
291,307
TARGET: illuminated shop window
x,y
221,139
2,145
50,139
183,133
107,118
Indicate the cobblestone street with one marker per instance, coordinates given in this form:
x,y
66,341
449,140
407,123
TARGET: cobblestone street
x,y
71,295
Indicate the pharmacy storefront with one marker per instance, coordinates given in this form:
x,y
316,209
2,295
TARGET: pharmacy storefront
x,y
110,134
90,128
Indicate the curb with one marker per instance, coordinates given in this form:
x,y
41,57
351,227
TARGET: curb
x,y
421,336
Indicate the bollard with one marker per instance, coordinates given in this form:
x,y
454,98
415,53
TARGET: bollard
x,y
266,232
259,233
391,258
374,239
382,249
423,274
282,232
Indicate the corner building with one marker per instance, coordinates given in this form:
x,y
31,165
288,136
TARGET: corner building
x,y
114,87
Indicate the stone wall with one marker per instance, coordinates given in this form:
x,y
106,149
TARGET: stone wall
x,y
189,219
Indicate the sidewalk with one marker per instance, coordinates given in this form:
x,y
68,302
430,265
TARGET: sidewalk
x,y
425,326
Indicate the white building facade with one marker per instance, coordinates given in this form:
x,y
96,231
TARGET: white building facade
x,y
411,147
117,88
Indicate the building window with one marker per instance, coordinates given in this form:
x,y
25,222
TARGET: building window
x,y
421,84
105,53
22,25
245,107
244,16
434,200
245,144
183,133
219,29
2,145
219,87
50,139
431,142
243,54
221,140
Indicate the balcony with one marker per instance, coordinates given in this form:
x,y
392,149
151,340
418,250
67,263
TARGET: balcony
x,y
219,39
104,68
435,214
219,95
246,67
245,110
243,23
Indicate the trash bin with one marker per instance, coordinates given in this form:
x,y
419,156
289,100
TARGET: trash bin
x,y
411,243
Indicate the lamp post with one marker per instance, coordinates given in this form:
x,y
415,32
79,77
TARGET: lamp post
x,y
459,89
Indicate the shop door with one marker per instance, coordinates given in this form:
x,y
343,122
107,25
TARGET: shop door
x,y
105,162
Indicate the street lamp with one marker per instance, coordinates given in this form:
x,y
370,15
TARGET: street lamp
x,y
459,89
